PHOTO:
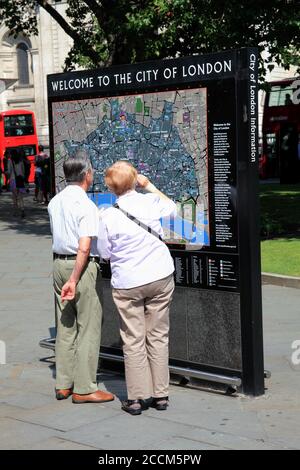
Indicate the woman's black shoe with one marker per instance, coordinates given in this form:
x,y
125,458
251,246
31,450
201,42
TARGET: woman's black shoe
x,y
146,403
160,403
132,407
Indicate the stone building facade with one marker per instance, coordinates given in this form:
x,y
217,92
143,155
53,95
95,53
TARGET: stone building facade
x,y
25,63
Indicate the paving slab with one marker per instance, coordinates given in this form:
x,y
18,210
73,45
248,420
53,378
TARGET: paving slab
x,y
26,399
282,427
66,416
127,432
198,438
17,435
232,422
7,411
197,419
57,443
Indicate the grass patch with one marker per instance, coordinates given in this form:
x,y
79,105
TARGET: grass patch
x,y
280,209
281,256
280,228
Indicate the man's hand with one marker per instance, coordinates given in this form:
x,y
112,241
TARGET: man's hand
x,y
68,291
142,181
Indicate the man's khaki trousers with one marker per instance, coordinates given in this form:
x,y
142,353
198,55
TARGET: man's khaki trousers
x,y
78,328
144,329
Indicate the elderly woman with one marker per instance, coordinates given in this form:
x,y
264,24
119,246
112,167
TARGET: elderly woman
x,y
142,281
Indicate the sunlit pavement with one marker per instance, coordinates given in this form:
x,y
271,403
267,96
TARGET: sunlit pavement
x,y
31,418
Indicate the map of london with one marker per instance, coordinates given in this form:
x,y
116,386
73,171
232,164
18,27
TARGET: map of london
x,y
162,134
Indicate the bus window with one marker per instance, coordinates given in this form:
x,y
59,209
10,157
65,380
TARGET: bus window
x,y
281,96
29,150
280,130
274,96
17,125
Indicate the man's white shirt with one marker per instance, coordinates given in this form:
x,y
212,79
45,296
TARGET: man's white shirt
x,y
72,216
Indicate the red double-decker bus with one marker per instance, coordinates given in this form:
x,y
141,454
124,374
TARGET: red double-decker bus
x,y
18,131
281,132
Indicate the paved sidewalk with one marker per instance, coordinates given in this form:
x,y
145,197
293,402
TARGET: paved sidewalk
x,y
30,417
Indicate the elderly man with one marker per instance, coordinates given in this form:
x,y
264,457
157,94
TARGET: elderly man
x,y
77,286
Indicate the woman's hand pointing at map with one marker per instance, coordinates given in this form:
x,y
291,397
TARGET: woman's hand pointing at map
x,y
145,183
142,181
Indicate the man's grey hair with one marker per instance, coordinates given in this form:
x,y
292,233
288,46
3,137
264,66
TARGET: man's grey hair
x,y
75,168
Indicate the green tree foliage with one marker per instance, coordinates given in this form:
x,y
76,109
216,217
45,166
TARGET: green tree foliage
x,y
107,32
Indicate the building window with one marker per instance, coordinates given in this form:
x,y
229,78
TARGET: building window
x,y
23,69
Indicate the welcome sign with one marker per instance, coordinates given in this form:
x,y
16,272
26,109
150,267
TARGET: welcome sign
x,y
165,72
190,125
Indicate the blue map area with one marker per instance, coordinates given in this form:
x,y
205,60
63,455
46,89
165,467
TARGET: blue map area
x,y
154,146
155,150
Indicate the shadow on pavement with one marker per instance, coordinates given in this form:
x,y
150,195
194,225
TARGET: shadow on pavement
x,y
36,221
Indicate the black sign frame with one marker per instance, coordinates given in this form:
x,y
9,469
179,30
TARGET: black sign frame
x,y
236,72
